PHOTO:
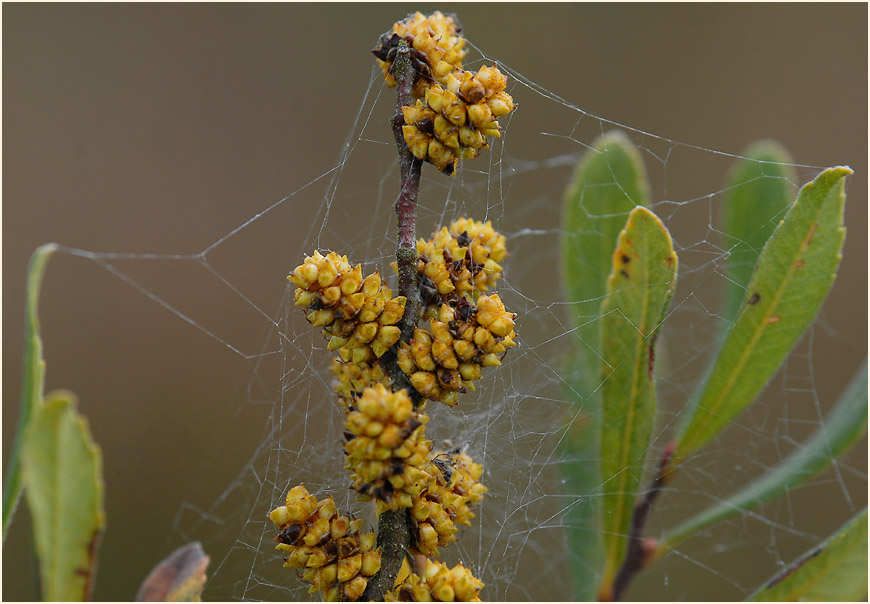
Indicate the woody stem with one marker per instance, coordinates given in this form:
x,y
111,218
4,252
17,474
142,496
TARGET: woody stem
x,y
406,216
406,203
638,547
394,531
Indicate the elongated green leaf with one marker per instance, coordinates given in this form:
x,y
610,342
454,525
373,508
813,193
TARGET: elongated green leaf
x,y
180,577
609,182
62,471
835,571
795,271
33,379
581,487
638,292
843,427
760,187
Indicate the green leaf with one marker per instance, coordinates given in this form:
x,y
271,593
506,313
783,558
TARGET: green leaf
x,y
835,571
610,180
180,577
33,379
581,487
62,471
638,292
795,271
760,188
845,424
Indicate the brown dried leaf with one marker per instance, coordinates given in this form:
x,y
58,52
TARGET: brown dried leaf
x,y
180,577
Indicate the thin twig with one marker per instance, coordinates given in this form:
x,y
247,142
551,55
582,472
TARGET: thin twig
x,y
406,218
639,548
406,203
394,532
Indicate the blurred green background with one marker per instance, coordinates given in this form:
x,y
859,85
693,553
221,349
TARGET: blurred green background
x,y
160,128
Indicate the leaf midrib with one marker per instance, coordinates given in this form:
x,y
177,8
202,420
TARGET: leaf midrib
x,y
712,410
626,443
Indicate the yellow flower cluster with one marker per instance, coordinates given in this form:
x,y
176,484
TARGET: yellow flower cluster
x,y
447,501
338,559
437,44
456,109
387,447
352,378
452,121
447,358
462,260
359,314
440,584
452,113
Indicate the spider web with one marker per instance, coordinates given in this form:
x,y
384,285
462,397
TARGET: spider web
x,y
226,316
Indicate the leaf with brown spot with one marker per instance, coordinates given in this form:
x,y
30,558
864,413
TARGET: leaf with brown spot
x,y
180,577
610,180
63,484
795,271
638,294
759,190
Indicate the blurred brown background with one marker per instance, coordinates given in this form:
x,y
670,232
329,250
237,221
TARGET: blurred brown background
x,y
160,128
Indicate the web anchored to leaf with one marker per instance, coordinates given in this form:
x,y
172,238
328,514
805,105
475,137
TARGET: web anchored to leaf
x,y
693,484
618,319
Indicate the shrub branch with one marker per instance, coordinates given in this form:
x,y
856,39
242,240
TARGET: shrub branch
x,y
406,203
394,533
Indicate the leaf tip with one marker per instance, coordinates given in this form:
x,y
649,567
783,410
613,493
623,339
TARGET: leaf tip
x,y
835,173
47,248
641,213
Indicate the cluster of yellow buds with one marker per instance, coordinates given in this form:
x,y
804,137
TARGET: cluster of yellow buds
x,y
337,559
452,121
455,266
447,501
462,260
437,47
359,315
352,378
446,359
440,584
451,113
387,447
455,109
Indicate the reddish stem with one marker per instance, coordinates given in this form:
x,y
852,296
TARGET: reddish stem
x,y
406,217
406,203
394,530
638,547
